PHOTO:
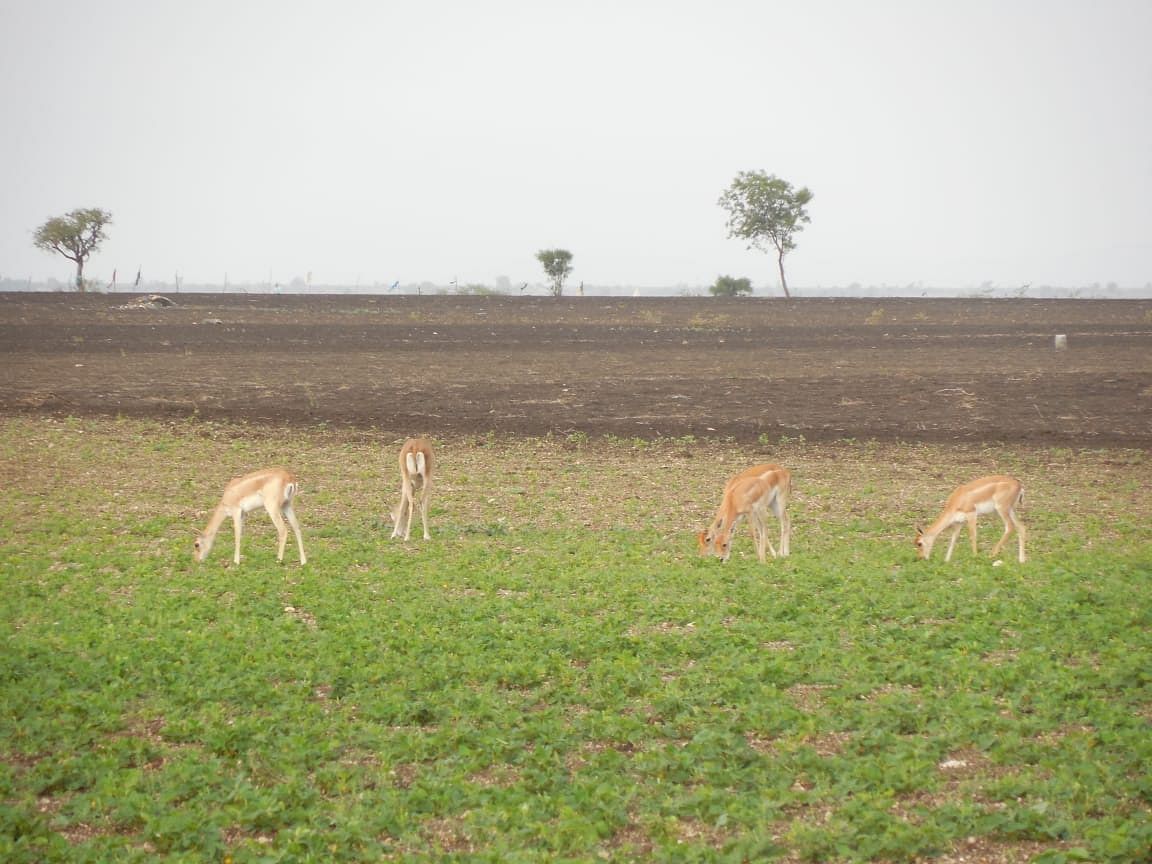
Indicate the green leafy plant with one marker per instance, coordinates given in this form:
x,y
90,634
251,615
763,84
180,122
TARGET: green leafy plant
x,y
729,286
557,675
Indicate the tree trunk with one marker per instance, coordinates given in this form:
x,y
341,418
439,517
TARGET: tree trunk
x,y
80,275
783,281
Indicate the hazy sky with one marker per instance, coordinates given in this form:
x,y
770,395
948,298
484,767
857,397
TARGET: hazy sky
x,y
947,143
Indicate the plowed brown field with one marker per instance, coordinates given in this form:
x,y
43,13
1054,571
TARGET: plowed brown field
x,y
913,369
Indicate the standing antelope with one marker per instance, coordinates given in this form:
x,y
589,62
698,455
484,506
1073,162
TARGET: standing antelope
x,y
415,481
997,492
751,493
272,488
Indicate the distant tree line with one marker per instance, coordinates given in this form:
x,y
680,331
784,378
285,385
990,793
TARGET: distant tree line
x,y
763,210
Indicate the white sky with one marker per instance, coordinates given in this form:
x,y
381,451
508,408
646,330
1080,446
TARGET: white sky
x,y
947,143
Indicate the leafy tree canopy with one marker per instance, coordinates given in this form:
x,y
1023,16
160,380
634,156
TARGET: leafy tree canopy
x,y
558,265
75,235
729,286
766,212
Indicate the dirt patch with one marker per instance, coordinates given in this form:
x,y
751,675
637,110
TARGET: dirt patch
x,y
909,369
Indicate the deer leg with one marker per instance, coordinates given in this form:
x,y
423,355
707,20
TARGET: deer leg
x,y
757,534
404,514
952,542
281,531
1020,535
780,508
425,498
765,541
237,530
409,506
398,513
972,530
290,515
1004,516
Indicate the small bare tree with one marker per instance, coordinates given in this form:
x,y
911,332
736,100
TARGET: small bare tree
x,y
75,235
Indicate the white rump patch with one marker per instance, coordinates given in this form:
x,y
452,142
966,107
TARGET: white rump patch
x,y
415,463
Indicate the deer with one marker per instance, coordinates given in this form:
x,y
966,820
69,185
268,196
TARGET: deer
x,y
270,488
998,493
751,493
415,483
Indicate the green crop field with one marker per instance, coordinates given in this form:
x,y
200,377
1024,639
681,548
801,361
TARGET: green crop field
x,y
556,675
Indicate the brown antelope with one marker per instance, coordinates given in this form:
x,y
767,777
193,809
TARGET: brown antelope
x,y
270,488
997,492
751,493
415,482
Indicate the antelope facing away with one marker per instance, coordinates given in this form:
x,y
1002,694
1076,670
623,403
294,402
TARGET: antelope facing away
x,y
415,483
998,493
270,488
751,493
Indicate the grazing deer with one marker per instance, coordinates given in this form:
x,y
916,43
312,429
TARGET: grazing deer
x,y
707,537
751,493
270,488
415,482
997,492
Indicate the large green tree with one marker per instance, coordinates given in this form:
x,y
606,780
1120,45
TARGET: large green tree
x,y
765,211
75,235
558,265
